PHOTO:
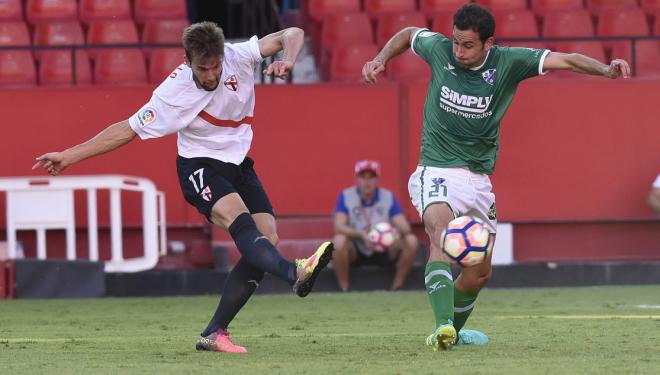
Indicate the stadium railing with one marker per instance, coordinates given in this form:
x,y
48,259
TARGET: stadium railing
x,y
44,203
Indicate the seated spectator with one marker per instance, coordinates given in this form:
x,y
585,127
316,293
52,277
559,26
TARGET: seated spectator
x,y
360,207
654,196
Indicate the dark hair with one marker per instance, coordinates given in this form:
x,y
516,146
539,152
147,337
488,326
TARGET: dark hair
x,y
476,18
204,40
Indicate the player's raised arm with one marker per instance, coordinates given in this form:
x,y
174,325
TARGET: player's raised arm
x,y
586,65
290,41
398,44
110,138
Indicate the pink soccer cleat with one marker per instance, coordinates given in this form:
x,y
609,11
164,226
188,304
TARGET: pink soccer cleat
x,y
219,341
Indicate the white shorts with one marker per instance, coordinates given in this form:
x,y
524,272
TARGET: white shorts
x,y
465,192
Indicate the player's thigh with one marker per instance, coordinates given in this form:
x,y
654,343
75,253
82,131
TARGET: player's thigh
x,y
252,191
208,185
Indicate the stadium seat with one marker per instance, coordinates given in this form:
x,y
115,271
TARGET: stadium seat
x,y
656,24
443,23
408,67
503,5
103,32
159,9
55,68
516,24
431,8
91,10
17,69
376,8
543,7
651,7
390,24
14,33
567,24
51,10
124,66
320,9
648,59
597,6
58,33
347,62
623,22
163,31
163,62
346,29
11,10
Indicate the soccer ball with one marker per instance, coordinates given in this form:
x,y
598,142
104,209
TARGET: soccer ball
x,y
466,240
382,236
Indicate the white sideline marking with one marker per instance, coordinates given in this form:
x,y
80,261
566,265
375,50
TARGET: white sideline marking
x,y
578,317
648,306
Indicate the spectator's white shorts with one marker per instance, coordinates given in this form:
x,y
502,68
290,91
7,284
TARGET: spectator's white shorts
x,y
465,192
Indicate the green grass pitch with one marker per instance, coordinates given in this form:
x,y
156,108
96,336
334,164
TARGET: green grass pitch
x,y
533,331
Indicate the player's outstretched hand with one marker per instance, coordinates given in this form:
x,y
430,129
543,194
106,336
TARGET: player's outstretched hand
x,y
52,162
279,69
371,69
617,69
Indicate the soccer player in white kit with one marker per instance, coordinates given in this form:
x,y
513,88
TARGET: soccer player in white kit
x,y
209,102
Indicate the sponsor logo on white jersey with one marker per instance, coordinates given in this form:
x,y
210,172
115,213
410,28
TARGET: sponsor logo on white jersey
x,y
231,83
146,116
465,103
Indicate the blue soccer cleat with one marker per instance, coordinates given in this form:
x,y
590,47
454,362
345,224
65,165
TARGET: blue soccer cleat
x,y
471,337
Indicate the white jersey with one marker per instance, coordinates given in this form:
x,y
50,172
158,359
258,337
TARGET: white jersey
x,y
656,183
214,124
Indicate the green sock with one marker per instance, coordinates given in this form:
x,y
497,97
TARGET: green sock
x,y
440,288
463,306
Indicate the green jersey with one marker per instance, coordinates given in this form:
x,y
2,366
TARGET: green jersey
x,y
464,107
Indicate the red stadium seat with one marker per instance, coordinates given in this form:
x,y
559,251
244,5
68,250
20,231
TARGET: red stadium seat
x,y
14,33
376,8
17,69
444,24
320,9
597,6
163,31
516,24
567,24
543,7
347,62
651,7
647,59
120,67
656,24
163,62
346,29
431,8
159,9
504,5
623,22
51,10
11,10
55,68
59,33
390,24
91,10
408,67
102,32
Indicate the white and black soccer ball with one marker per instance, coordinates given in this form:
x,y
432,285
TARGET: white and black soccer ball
x,y
382,236
466,240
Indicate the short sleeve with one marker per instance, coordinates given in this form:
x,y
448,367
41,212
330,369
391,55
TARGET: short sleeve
x,y
341,205
248,51
526,62
395,209
656,183
157,119
423,41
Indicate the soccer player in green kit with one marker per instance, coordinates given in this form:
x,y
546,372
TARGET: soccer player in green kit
x,y
472,84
